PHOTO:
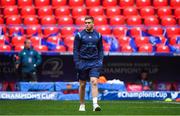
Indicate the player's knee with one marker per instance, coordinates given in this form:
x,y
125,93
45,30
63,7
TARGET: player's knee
x,y
82,85
94,82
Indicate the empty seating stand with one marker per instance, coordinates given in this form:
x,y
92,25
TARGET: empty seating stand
x,y
29,18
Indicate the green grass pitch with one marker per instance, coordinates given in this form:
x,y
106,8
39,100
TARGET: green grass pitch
x,y
32,107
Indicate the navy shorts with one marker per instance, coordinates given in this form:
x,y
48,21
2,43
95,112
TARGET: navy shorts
x,y
85,75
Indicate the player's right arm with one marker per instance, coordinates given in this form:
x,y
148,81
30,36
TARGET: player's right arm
x,y
76,50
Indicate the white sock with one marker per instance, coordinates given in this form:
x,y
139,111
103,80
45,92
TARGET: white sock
x,y
82,104
95,100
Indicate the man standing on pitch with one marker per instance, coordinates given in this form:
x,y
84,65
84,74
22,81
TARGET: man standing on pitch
x,y
29,59
88,58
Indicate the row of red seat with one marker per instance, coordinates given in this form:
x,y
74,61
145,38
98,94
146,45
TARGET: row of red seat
x,y
91,3
145,47
94,11
104,30
68,40
98,20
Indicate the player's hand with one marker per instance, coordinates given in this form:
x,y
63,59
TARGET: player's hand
x,y
17,66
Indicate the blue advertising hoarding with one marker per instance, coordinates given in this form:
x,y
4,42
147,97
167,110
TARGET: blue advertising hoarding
x,y
144,95
60,67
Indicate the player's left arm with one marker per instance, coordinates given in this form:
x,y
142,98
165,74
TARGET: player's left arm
x,y
101,50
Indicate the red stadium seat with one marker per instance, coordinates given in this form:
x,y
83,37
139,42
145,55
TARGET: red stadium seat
x,y
164,11
92,3
119,31
175,3
41,48
45,11
5,48
33,30
168,21
22,3
40,3
48,20
130,11
173,39
10,10
59,3
179,21
126,48
79,11
18,40
80,28
3,29
13,20
112,11
80,20
161,48
74,3
160,3
117,20
3,39
15,30
172,31
54,39
19,48
36,40
70,47
67,30
8,2
108,3
1,20
100,20
104,30
134,20
151,21
147,11
162,38
155,31
28,10
106,47
60,48
65,20
139,40
147,48
95,11
177,12
51,30
123,40
126,3
143,3
62,11
31,20
69,40
136,31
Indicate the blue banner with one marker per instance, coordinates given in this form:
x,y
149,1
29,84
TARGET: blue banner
x,y
144,95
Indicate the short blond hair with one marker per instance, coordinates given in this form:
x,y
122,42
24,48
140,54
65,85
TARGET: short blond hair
x,y
89,17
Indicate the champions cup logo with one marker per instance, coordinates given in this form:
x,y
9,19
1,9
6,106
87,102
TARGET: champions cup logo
x,y
52,67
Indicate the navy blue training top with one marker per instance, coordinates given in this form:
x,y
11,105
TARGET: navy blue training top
x,y
88,46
